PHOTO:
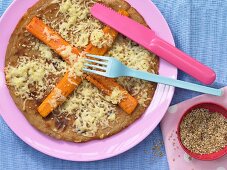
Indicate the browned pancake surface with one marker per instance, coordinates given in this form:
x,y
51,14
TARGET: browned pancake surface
x,y
59,127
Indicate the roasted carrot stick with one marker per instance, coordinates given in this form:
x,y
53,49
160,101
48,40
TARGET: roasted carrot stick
x,y
100,86
65,87
52,39
128,103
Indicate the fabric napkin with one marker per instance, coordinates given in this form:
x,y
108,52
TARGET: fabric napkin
x,y
177,158
199,29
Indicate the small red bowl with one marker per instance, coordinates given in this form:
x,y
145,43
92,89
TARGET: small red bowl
x,y
212,107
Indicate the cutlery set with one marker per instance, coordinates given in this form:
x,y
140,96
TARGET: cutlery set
x,y
147,38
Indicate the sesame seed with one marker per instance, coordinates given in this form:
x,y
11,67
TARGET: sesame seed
x,y
204,132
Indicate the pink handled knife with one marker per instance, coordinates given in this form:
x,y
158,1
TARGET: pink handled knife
x,y
148,39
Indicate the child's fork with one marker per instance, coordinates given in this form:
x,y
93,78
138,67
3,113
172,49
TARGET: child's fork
x,y
111,67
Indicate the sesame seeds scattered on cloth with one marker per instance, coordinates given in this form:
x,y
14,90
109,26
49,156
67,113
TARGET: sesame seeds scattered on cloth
x,y
155,150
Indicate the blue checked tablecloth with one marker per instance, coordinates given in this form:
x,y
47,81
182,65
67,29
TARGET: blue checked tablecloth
x,y
200,29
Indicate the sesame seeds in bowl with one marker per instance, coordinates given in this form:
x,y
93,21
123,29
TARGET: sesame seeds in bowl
x,y
202,131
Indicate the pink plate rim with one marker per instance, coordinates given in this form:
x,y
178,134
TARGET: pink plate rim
x,y
98,149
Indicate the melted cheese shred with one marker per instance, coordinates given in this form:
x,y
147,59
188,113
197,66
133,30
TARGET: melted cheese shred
x,y
76,23
89,108
31,78
132,55
116,96
57,97
137,87
76,68
99,39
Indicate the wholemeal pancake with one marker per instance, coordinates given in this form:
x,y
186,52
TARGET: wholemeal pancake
x,y
32,70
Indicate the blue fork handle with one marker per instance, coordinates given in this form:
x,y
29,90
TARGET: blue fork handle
x,y
172,82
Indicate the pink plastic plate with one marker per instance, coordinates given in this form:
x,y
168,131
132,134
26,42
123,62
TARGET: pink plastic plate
x,y
99,149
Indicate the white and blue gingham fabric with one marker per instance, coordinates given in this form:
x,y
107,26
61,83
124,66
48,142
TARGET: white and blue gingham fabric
x,y
200,29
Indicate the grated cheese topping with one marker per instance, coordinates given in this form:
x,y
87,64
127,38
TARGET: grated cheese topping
x,y
89,108
137,88
116,96
49,36
57,97
76,23
99,39
67,52
33,76
76,68
132,55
